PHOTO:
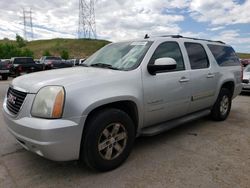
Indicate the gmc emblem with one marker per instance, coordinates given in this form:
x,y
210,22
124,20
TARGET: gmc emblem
x,y
11,98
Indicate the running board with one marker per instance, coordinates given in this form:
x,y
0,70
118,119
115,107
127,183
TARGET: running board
x,y
157,129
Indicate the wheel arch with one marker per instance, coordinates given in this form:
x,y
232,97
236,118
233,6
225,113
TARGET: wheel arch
x,y
230,85
128,106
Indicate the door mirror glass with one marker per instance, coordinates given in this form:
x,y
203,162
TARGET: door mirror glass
x,y
162,65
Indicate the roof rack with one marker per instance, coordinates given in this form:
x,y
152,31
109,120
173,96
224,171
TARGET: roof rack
x,y
180,36
202,39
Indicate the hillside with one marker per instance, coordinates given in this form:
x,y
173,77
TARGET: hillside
x,y
244,55
78,48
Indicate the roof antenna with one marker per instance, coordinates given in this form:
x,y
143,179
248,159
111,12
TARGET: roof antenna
x,y
146,36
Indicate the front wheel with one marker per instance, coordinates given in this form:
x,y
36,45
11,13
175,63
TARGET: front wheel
x,y
222,106
107,139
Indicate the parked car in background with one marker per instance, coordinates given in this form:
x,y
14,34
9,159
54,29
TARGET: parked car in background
x,y
81,61
76,62
37,60
20,65
246,79
4,69
71,62
54,62
245,62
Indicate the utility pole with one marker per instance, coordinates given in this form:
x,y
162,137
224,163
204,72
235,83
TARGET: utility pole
x,y
87,24
27,25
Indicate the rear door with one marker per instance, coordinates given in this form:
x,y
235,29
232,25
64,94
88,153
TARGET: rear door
x,y
203,77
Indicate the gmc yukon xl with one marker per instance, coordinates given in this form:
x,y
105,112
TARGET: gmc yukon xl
x,y
95,111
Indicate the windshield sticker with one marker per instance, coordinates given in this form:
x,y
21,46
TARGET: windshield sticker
x,y
138,43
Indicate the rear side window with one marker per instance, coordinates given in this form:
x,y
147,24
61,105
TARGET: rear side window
x,y
224,55
30,60
197,56
23,60
19,61
169,49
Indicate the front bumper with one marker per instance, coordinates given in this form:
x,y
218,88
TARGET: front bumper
x,y
246,87
57,139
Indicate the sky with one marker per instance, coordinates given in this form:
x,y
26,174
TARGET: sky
x,y
117,20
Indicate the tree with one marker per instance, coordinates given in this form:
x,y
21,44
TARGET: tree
x,y
20,41
27,53
64,54
46,53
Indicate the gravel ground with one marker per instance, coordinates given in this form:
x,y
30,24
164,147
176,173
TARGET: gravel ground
x,y
202,153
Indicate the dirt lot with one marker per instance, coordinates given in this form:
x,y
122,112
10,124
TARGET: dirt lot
x,y
198,154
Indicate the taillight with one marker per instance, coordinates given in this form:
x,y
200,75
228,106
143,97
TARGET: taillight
x,y
241,76
20,69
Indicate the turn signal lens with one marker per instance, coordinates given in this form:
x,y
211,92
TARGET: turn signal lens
x,y
58,105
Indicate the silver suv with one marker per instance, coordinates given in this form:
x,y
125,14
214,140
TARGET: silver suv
x,y
143,87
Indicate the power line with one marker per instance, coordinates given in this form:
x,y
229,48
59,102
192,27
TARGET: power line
x,y
87,24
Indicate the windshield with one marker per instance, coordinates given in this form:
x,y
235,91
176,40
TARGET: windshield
x,y
120,56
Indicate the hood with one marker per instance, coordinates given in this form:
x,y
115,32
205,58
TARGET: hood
x,y
31,83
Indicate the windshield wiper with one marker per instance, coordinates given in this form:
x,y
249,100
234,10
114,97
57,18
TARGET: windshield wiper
x,y
103,65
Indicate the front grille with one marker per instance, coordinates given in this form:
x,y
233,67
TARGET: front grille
x,y
15,100
245,81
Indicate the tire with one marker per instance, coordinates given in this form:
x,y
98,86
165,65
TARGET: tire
x,y
4,77
222,106
116,131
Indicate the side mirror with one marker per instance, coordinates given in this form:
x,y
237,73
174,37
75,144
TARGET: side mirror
x,y
162,65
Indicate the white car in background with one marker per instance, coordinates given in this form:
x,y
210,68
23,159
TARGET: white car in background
x,y
246,79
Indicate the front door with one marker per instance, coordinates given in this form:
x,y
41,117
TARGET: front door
x,y
166,94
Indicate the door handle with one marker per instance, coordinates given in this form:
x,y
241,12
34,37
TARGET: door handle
x,y
210,75
183,79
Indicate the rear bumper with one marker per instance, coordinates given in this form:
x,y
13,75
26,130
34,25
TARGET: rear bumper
x,y
57,140
237,90
4,71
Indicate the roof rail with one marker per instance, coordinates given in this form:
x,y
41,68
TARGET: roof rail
x,y
180,36
202,39
173,36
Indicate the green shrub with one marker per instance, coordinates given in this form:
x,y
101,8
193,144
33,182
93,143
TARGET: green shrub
x,y
11,50
64,54
46,53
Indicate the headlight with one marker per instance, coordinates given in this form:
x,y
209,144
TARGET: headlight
x,y
49,102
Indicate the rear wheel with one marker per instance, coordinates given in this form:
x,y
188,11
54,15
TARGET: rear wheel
x,y
222,106
107,139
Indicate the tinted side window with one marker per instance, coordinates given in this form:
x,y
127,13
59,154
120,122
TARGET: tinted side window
x,y
197,56
169,49
30,60
19,61
224,55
